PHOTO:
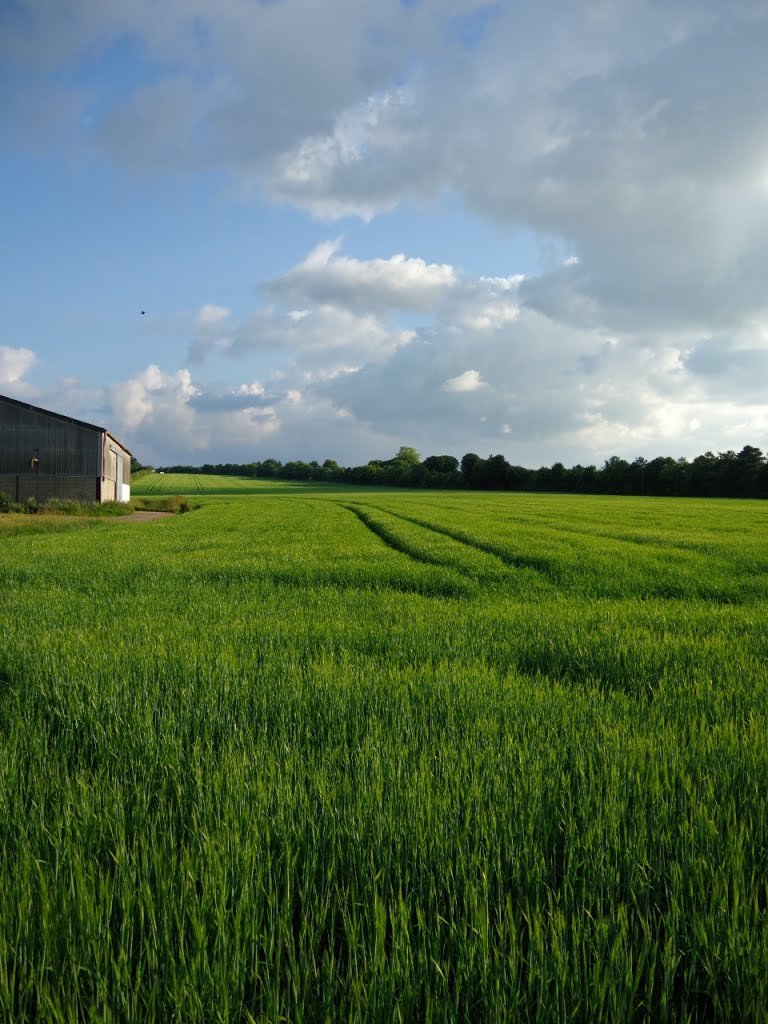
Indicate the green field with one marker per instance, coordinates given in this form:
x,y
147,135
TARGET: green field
x,y
156,484
340,755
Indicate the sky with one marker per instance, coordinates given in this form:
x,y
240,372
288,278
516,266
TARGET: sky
x,y
538,228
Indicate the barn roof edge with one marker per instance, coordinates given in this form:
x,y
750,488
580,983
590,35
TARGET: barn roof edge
x,y
63,416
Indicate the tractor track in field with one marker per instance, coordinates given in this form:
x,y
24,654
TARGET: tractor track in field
x,y
557,525
152,484
539,565
391,539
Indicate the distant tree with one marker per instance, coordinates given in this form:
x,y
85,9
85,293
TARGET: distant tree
x,y
269,467
552,479
637,475
495,472
726,474
471,469
520,479
438,471
589,480
441,464
660,476
295,470
580,479
615,476
751,466
705,474
407,456
373,473
682,477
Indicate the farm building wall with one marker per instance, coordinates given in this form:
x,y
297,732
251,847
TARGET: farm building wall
x,y
45,455
22,486
116,472
35,441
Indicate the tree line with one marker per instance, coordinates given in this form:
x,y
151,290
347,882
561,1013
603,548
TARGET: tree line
x,y
727,474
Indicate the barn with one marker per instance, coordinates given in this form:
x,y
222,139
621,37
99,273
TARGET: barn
x,y
47,455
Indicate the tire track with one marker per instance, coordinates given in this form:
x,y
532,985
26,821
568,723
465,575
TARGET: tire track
x,y
542,566
391,539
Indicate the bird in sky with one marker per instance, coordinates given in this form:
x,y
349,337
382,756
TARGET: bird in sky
x,y
143,312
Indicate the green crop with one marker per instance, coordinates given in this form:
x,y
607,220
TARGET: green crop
x,y
336,754
200,483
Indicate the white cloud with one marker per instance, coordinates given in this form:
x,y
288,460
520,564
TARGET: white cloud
x,y
540,390
634,133
210,332
247,90
379,285
308,173
211,314
470,380
322,253
14,364
342,323
487,303
631,134
322,338
550,386
152,398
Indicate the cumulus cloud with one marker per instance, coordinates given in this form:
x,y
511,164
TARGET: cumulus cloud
x,y
249,397
525,382
247,86
470,380
538,390
631,136
211,314
152,398
326,337
210,332
542,382
486,303
376,285
635,133
330,313
165,417
14,364
331,174
730,365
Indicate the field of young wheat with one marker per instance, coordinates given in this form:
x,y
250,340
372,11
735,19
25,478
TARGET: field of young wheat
x,y
351,755
157,484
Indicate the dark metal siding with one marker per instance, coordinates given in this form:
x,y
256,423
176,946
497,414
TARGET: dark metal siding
x,y
61,446
22,486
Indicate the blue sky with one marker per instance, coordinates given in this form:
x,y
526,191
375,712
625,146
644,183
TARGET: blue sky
x,y
529,228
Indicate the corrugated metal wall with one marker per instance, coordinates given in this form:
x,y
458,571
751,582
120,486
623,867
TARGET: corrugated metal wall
x,y
20,487
61,447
